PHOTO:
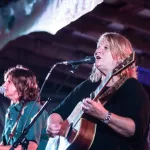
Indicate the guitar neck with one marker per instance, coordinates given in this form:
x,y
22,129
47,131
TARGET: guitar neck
x,y
94,95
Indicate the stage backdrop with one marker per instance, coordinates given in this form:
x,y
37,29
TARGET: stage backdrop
x,y
25,16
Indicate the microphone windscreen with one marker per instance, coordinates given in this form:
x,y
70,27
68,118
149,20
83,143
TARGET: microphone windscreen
x,y
91,59
2,90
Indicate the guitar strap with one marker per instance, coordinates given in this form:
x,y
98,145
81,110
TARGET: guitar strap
x,y
11,135
105,97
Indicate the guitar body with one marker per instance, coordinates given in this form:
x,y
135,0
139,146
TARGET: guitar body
x,y
77,132
81,136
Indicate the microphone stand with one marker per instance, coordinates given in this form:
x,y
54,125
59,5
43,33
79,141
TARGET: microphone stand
x,y
22,140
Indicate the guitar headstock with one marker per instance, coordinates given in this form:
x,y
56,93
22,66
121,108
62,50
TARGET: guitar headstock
x,y
126,63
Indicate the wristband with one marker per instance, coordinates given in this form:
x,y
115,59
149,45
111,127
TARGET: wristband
x,y
107,119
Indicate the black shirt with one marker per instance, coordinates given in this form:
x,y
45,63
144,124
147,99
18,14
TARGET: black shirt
x,y
130,100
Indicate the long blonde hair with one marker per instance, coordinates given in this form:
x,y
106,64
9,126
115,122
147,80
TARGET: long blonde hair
x,y
120,48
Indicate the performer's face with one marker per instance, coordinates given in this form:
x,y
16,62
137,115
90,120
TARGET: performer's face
x,y
11,91
104,60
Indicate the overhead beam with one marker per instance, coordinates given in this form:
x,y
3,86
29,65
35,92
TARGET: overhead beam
x,y
65,40
143,3
57,76
95,30
44,49
31,57
105,12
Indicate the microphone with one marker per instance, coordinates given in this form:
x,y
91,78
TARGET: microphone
x,y
86,60
2,90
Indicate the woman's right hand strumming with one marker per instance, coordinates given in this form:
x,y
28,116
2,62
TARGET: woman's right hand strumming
x,y
54,124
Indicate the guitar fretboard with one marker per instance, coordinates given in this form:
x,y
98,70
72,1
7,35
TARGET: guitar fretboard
x,y
94,95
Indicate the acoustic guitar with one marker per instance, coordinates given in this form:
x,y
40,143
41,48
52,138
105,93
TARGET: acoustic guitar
x,y
78,130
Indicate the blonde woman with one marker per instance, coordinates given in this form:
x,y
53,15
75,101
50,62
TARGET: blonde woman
x,y
122,121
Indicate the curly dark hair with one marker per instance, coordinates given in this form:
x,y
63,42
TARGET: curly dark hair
x,y
25,82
